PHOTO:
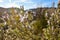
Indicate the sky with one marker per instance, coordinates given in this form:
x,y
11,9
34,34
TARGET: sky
x,y
28,4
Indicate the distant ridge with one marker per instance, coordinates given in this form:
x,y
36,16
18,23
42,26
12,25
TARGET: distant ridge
x,y
18,9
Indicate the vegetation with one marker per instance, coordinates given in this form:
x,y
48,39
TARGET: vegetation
x,y
22,26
